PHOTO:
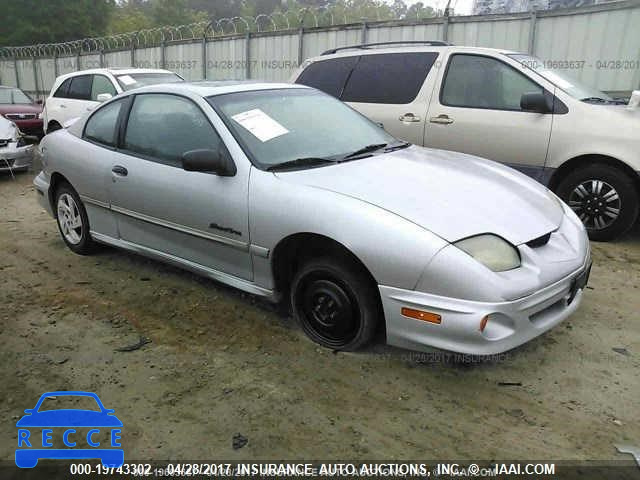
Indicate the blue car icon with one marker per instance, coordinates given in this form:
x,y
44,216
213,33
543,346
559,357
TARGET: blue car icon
x,y
31,449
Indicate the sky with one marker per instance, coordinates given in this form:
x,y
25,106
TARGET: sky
x,y
461,7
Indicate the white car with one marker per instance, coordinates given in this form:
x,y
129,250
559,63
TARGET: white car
x,y
74,94
502,105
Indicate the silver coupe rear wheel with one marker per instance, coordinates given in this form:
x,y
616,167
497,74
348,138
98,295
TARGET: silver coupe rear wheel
x,y
596,203
69,219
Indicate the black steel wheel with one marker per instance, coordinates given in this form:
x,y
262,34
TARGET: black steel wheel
x,y
335,303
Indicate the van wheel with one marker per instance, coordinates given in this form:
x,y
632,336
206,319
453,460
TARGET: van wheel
x,y
335,303
73,222
604,197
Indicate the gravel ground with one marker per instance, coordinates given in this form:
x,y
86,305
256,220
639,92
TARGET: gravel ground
x,y
221,362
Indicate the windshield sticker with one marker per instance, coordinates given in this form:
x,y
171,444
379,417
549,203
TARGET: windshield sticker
x,y
558,80
127,80
261,125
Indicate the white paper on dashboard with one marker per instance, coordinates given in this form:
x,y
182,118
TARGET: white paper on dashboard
x,y
261,125
127,80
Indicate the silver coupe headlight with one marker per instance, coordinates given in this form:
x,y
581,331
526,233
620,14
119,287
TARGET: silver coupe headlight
x,y
491,251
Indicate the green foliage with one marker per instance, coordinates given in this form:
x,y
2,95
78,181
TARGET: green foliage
x,y
27,22
134,15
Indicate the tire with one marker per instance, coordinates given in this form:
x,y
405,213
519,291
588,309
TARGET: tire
x,y
72,219
604,197
336,303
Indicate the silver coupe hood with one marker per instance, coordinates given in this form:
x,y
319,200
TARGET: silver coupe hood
x,y
451,194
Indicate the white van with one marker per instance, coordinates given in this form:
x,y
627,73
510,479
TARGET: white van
x,y
74,94
502,105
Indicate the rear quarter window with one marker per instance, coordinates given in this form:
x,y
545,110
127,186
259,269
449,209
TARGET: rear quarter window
x,y
80,88
328,75
102,126
62,90
394,78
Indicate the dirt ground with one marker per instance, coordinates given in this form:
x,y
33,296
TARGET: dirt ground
x,y
221,362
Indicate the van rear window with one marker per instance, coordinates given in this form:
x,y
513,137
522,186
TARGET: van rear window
x,y
328,75
388,78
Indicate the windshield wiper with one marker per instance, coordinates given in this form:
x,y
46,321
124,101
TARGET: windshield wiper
x,y
300,162
369,148
614,101
397,146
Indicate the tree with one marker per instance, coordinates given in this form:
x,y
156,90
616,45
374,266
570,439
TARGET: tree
x,y
132,15
27,22
419,10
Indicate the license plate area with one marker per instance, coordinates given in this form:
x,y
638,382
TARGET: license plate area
x,y
579,283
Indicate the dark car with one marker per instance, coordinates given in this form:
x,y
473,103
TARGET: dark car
x,y
21,109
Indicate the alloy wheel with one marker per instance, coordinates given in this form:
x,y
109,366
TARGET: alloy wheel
x,y
69,219
596,202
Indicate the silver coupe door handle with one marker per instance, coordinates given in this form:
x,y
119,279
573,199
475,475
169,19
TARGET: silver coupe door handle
x,y
120,170
441,119
409,117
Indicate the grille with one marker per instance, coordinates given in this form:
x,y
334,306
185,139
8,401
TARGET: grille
x,y
4,143
540,241
6,163
20,116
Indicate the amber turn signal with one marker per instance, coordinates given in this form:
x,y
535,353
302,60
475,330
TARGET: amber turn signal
x,y
421,315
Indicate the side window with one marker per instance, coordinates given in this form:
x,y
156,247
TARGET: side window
x,y
63,89
388,78
101,84
475,81
164,127
80,88
328,75
101,127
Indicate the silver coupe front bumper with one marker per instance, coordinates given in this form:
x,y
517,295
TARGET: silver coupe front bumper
x,y
13,157
509,324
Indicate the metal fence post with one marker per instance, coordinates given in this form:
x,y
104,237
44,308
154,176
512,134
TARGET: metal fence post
x,y
101,58
35,76
363,32
78,60
133,54
55,64
247,56
445,26
15,69
532,31
300,43
163,53
204,56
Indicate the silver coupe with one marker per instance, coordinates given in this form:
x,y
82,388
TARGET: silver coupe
x,y
287,193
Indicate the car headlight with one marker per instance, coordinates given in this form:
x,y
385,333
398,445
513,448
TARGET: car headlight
x,y
492,251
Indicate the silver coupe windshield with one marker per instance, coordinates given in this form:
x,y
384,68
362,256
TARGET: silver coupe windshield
x,y
288,125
